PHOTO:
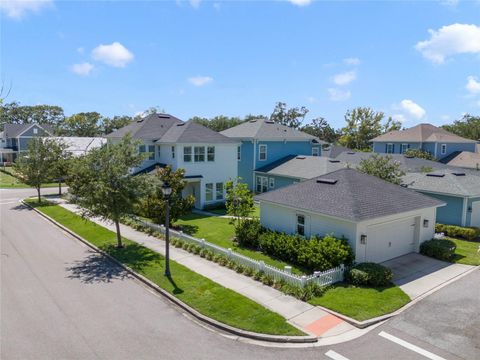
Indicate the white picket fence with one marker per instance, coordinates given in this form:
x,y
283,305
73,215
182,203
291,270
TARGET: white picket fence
x,y
321,278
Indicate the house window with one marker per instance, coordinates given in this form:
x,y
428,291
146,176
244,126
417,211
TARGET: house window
x,y
404,148
390,149
209,192
151,152
211,153
219,194
173,152
301,225
141,149
315,151
271,183
158,152
239,153
262,152
35,131
262,184
187,154
443,149
199,154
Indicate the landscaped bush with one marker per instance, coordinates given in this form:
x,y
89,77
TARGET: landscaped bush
x,y
369,274
247,235
468,233
440,249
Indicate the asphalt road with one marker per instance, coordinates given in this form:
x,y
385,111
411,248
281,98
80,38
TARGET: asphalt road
x,y
60,300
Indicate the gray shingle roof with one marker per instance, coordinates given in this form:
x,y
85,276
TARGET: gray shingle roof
x,y
422,133
354,196
302,167
192,132
151,127
334,150
266,129
13,130
466,159
467,185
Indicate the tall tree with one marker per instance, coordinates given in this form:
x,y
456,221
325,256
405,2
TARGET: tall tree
x,y
320,128
218,123
111,124
14,113
37,165
85,124
382,167
102,182
363,124
468,127
292,117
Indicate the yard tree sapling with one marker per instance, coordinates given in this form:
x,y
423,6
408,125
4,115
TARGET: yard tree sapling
x,y
382,167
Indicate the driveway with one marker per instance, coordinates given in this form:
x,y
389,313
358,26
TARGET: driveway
x,y
416,274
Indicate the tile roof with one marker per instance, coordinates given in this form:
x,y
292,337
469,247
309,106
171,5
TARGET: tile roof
x,y
351,195
268,130
445,182
13,130
302,167
466,159
422,133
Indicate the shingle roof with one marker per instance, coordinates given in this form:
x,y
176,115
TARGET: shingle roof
x,y
13,130
266,129
466,159
422,133
151,127
354,196
461,185
302,167
192,132
334,150
80,145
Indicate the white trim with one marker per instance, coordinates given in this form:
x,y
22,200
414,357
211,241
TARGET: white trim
x,y
254,162
441,149
410,346
464,211
31,125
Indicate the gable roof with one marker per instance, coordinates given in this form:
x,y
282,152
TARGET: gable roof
x,y
444,182
422,133
465,159
192,132
151,127
351,195
303,167
266,129
14,130
80,145
334,150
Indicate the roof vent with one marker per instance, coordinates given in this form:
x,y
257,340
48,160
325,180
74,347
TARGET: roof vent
x,y
270,121
351,152
334,161
458,173
300,157
180,124
164,116
253,120
140,120
327,181
435,175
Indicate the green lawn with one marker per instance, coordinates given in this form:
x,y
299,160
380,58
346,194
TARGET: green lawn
x,y
466,252
8,181
362,303
206,296
223,211
219,231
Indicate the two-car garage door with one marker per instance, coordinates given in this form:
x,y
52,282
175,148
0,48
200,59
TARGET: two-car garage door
x,y
391,239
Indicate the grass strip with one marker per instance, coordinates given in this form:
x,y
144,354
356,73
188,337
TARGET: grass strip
x,y
202,294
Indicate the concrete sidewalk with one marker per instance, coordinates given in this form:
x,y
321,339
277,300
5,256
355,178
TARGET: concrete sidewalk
x,y
308,318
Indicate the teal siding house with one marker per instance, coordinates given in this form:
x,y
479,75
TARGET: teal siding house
x,y
264,142
459,190
437,141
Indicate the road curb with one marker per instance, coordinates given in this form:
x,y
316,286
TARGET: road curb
x,y
204,319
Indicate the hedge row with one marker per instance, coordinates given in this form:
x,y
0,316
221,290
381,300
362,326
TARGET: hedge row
x,y
440,249
369,274
468,233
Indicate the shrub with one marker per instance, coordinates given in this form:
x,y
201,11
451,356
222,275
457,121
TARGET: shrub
x,y
185,246
231,264
267,280
203,253
178,243
240,268
258,275
248,271
247,235
369,274
468,233
439,249
209,255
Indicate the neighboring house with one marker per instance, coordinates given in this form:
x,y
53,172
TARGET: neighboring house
x,y
459,190
264,141
293,169
437,141
332,151
380,220
15,138
465,159
209,158
78,146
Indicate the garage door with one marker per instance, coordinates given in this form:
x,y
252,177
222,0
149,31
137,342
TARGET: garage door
x,y
475,214
388,240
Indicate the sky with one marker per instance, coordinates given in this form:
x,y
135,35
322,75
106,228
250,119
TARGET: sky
x,y
415,61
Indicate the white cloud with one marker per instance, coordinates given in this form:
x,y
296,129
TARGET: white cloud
x,y
412,109
200,80
345,78
338,94
114,54
195,3
399,117
473,85
352,61
451,3
450,40
16,9
83,69
300,2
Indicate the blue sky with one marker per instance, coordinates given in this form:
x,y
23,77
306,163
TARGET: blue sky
x,y
416,61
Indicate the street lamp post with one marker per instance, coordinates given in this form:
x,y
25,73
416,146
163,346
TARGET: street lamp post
x,y
167,191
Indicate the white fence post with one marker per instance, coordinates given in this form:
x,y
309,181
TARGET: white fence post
x,y
287,269
262,265
202,243
229,253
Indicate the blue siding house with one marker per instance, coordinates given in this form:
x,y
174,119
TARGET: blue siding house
x,y
437,141
459,190
264,142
